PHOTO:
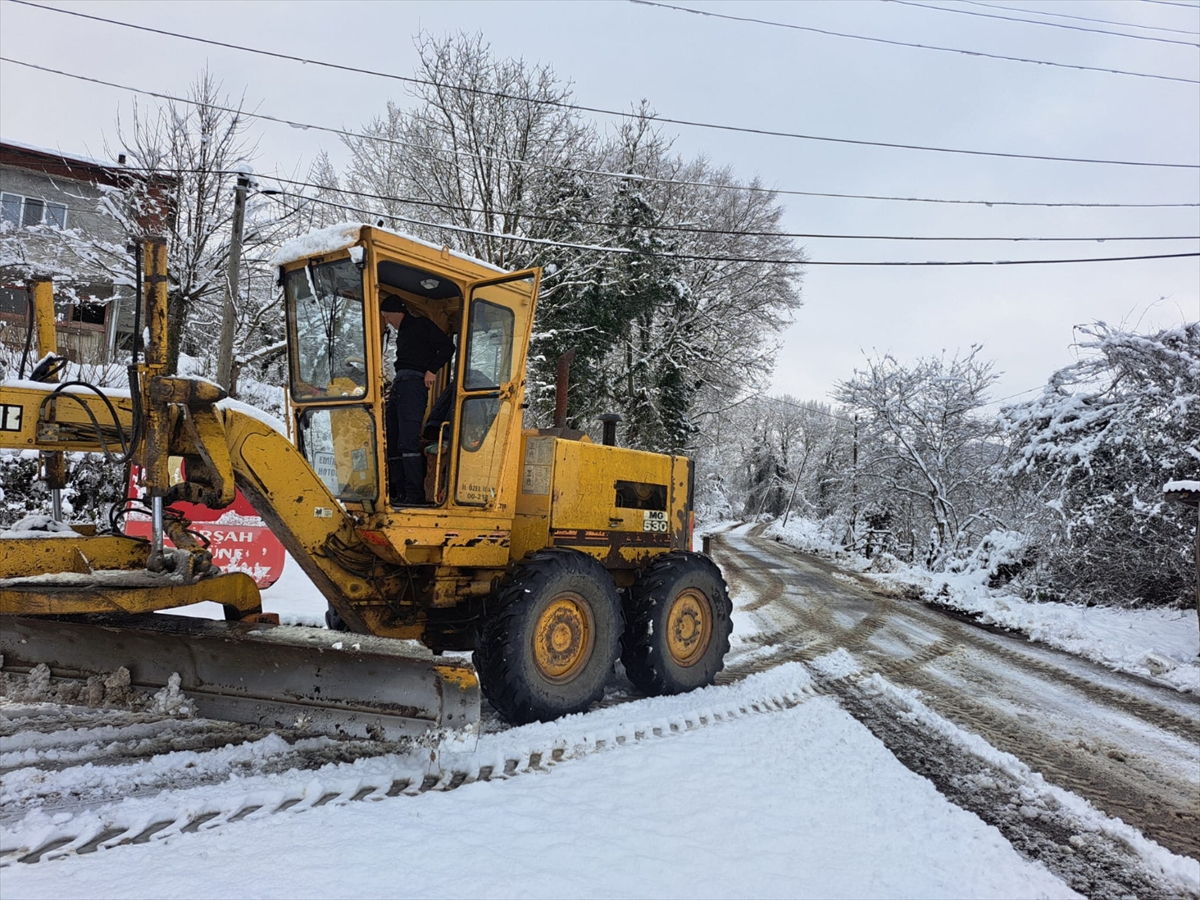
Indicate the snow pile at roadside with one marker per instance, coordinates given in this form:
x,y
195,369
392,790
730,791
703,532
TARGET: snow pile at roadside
x,y
811,537
801,802
1162,644
37,526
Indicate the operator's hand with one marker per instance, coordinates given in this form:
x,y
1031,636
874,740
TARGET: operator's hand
x,y
430,378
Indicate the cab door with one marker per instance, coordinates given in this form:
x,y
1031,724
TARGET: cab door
x,y
491,388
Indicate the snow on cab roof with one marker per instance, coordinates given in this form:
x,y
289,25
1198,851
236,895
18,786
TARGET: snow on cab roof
x,y
339,237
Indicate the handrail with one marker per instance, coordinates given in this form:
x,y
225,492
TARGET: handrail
x,y
437,471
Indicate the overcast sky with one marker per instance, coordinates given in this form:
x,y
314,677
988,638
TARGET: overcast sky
x,y
763,76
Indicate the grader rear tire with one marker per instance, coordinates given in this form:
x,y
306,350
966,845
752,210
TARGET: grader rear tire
x,y
549,646
677,625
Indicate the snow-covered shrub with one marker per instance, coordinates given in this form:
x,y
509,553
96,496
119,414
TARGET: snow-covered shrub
x,y
923,449
1002,555
885,563
1096,447
93,485
810,535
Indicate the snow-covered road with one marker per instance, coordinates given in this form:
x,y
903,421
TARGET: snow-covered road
x,y
812,769
986,715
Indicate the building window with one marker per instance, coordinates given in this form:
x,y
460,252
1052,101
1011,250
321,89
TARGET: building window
x,y
89,313
29,211
10,208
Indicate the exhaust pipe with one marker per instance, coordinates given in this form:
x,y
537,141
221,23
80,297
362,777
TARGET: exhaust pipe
x,y
610,421
561,383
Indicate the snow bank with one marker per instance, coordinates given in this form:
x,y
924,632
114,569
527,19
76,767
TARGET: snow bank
x,y
813,537
1162,644
38,526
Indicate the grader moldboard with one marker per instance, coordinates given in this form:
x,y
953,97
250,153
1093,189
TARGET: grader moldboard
x,y
546,554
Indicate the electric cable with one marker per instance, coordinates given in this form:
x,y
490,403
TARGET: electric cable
x,y
685,229
1057,15
971,12
305,126
559,104
878,40
1172,3
735,259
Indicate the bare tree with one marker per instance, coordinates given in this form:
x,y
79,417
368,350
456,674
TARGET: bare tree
x,y
199,147
924,449
474,150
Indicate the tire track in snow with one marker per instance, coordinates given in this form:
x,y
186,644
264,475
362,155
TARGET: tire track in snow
x,y
1177,713
1097,856
1139,794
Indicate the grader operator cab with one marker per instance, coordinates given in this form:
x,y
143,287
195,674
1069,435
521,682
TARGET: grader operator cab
x,y
547,555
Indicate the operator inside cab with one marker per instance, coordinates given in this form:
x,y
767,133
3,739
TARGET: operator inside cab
x,y
422,349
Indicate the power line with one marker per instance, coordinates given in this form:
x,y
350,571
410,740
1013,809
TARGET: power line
x,y
695,257
682,229
1040,387
764,132
1039,12
354,135
686,229
1172,3
878,40
971,12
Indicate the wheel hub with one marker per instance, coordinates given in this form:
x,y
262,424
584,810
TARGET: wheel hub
x,y
562,638
689,627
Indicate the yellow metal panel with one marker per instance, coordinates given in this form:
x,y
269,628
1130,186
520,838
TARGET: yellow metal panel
x,y
123,592
71,428
531,525
22,557
43,315
585,492
584,511
487,550
681,504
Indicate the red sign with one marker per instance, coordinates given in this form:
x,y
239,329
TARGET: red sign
x,y
237,538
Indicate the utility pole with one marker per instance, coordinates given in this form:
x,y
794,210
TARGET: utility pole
x,y
232,274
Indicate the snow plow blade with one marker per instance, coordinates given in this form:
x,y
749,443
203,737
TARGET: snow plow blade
x,y
282,676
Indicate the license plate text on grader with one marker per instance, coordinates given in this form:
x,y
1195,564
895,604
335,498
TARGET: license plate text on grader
x,y
546,554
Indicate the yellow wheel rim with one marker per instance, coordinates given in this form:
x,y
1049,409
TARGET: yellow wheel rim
x,y
562,638
689,627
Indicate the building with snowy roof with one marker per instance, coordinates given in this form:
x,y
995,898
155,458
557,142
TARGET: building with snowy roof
x,y
53,224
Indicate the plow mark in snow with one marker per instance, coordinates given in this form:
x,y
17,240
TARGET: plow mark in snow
x,y
47,832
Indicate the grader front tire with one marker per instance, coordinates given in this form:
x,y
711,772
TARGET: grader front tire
x,y
548,648
677,625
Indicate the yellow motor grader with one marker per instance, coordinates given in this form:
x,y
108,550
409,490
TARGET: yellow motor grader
x,y
546,554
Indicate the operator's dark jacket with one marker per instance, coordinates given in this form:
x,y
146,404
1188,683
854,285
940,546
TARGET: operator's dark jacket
x,y
421,346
